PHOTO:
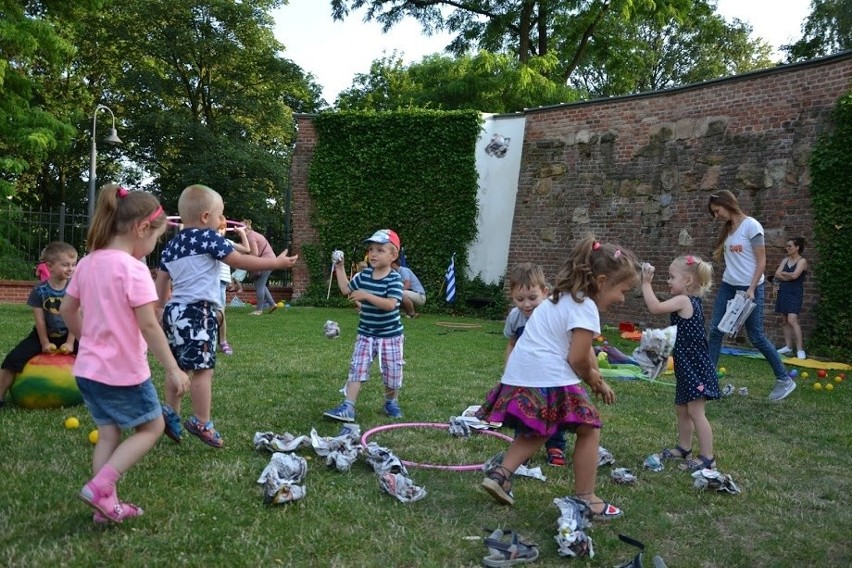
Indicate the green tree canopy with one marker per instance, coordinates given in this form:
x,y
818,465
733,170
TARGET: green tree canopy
x,y
649,53
827,30
486,82
38,92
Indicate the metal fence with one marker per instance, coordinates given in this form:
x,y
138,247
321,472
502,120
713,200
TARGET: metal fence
x,y
24,232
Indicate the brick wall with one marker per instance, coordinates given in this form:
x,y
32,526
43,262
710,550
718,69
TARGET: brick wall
x,y
638,170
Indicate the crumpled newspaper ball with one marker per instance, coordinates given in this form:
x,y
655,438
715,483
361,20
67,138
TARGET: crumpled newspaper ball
x,y
655,347
605,457
712,479
571,538
653,462
337,256
331,330
623,476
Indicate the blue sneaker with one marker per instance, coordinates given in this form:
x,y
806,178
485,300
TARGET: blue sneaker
x,y
392,409
345,413
173,428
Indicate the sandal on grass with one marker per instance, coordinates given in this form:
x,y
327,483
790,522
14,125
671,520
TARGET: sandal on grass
x,y
608,511
676,453
495,485
503,553
700,463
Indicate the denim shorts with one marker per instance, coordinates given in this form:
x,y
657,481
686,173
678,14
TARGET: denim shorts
x,y
125,407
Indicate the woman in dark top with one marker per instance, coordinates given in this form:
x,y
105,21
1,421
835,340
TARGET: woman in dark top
x,y
790,278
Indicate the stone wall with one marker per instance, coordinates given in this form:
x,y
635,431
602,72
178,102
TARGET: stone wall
x,y
638,170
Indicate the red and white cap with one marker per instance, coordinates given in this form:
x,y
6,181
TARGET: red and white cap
x,y
384,236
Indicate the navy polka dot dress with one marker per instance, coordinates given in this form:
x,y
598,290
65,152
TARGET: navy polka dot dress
x,y
696,377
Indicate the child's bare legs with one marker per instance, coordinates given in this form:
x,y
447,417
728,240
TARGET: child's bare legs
x,y
220,318
111,459
522,449
703,430
7,377
498,482
201,394
586,466
353,389
124,455
684,426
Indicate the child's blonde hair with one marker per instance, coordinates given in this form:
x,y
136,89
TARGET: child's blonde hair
x,y
118,210
194,201
527,275
591,259
700,270
54,250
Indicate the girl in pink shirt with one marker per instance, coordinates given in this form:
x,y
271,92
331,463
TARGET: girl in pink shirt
x,y
115,291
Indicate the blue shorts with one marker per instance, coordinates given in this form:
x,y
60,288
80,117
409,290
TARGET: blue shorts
x,y
125,407
192,331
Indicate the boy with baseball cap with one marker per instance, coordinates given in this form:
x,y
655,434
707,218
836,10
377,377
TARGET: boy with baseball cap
x,y
379,290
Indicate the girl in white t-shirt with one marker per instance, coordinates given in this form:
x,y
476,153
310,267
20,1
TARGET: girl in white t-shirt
x,y
114,290
741,244
540,392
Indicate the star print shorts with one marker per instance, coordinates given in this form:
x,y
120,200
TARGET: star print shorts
x,y
192,332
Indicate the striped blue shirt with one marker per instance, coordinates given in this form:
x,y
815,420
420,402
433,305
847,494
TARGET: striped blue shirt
x,y
375,322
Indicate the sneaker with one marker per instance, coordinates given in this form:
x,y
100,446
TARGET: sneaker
x,y
392,409
555,457
204,432
784,350
783,387
226,348
801,355
345,412
173,428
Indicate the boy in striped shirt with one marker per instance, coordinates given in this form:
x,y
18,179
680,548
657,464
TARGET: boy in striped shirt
x,y
379,290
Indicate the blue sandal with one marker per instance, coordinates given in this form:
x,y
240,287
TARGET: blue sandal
x,y
502,553
697,464
669,454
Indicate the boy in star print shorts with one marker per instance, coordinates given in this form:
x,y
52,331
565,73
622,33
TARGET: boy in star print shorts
x,y
188,290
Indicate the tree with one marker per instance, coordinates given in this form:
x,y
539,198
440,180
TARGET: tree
x,y
203,96
526,28
827,30
650,53
38,96
489,82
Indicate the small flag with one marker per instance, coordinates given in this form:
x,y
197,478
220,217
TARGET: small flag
x,y
450,278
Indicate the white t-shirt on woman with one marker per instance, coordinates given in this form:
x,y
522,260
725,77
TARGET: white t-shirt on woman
x,y
540,358
740,260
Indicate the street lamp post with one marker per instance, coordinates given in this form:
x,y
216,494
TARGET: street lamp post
x,y
112,138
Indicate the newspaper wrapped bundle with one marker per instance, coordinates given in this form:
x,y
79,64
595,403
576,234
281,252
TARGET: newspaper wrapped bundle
x,y
571,539
655,347
737,312
282,479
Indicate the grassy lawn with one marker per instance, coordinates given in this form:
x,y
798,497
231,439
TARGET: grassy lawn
x,y
203,507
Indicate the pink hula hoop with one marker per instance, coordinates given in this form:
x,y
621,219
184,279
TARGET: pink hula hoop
x,y
437,426
174,221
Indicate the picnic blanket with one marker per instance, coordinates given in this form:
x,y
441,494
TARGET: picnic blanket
x,y
795,362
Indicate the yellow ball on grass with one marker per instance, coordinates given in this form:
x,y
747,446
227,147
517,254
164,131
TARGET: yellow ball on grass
x,y
93,436
829,387
817,386
71,422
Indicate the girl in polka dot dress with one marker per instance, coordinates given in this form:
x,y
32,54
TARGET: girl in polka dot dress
x,y
689,279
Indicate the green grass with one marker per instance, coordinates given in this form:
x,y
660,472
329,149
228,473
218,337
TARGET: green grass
x,y
204,508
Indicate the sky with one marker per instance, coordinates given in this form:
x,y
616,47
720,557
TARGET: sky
x,y
334,52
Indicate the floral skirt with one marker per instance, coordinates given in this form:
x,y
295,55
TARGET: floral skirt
x,y
540,411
